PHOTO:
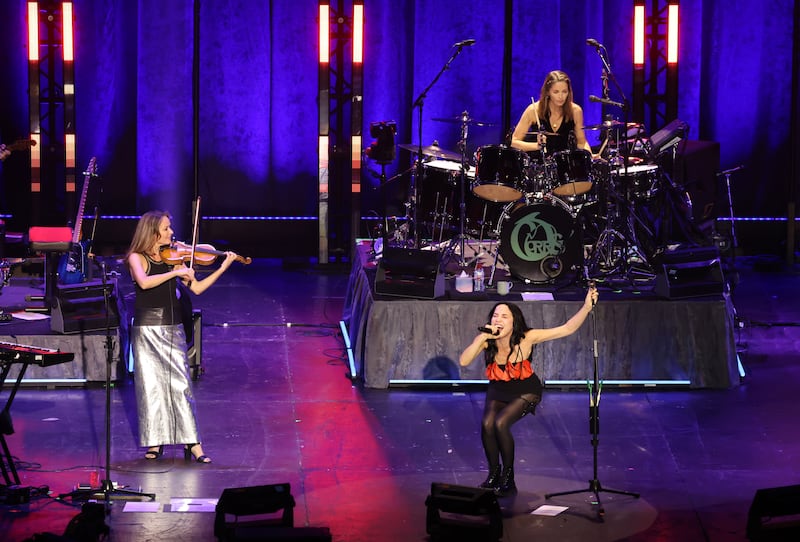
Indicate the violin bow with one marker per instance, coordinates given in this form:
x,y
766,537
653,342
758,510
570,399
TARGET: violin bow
x,y
195,229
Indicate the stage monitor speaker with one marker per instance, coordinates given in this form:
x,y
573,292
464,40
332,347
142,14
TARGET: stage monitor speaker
x,y
463,513
268,505
88,306
692,272
774,514
407,272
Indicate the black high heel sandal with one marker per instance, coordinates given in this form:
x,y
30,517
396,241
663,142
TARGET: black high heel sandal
x,y
187,454
152,455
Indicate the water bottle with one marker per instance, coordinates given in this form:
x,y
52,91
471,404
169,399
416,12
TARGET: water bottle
x,y
477,279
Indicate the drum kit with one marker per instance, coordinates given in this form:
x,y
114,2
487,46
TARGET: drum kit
x,y
548,218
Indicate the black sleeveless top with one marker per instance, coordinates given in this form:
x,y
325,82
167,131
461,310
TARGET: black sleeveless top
x,y
159,305
565,140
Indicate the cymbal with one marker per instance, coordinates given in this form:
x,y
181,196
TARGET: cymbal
x,y
612,124
463,119
434,151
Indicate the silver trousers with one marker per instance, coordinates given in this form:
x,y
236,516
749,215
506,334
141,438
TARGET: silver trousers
x,y
164,398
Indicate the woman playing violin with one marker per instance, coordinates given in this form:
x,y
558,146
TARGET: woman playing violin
x,y
164,398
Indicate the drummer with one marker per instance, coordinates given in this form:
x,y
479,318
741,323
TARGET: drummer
x,y
554,123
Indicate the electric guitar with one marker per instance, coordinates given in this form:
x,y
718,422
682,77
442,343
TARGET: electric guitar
x,y
18,145
74,265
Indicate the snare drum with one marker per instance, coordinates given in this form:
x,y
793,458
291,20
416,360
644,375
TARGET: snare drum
x,y
499,173
573,172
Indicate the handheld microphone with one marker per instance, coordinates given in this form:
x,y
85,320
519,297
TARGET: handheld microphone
x,y
465,43
484,329
594,43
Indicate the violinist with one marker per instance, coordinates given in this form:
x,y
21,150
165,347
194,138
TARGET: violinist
x,y
164,399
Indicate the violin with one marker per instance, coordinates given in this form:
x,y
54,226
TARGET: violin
x,y
179,252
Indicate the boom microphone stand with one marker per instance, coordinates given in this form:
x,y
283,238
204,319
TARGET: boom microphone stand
x,y
594,427
418,103
618,242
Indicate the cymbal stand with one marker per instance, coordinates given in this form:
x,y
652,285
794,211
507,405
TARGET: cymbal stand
x,y
460,238
418,103
616,246
734,241
595,389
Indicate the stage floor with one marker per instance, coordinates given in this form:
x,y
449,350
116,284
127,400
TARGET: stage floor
x,y
276,405
643,339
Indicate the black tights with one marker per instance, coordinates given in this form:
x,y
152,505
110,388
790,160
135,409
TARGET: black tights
x,y
498,417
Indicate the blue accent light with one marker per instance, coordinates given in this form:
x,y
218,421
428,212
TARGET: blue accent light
x,y
351,361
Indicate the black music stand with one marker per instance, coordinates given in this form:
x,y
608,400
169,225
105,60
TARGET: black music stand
x,y
594,426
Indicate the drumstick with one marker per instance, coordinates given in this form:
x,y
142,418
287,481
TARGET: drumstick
x,y
602,147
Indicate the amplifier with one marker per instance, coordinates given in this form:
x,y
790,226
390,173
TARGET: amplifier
x,y
88,306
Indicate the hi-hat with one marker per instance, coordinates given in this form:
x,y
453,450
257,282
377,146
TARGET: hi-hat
x,y
433,151
463,119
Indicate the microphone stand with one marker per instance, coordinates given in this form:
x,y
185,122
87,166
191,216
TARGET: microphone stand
x,y
107,491
418,103
623,214
594,428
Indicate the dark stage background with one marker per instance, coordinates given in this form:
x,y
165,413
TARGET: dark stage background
x,y
258,92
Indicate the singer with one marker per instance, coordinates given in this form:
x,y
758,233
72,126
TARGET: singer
x,y
514,389
554,123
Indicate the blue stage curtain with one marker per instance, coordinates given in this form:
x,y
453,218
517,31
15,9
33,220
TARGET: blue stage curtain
x,y
258,89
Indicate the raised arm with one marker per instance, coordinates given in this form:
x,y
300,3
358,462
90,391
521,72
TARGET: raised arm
x,y
535,336
200,286
137,263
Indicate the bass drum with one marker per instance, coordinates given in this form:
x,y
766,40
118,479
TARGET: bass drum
x,y
541,243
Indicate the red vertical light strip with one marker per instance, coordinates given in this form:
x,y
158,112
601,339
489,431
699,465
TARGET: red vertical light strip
x,y
638,60
33,96
356,117
324,126
638,33
672,34
356,109
69,96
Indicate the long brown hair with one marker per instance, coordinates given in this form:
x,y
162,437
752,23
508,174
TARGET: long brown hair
x,y
147,232
543,108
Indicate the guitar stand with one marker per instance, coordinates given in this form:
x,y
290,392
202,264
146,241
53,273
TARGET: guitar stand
x,y
594,426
